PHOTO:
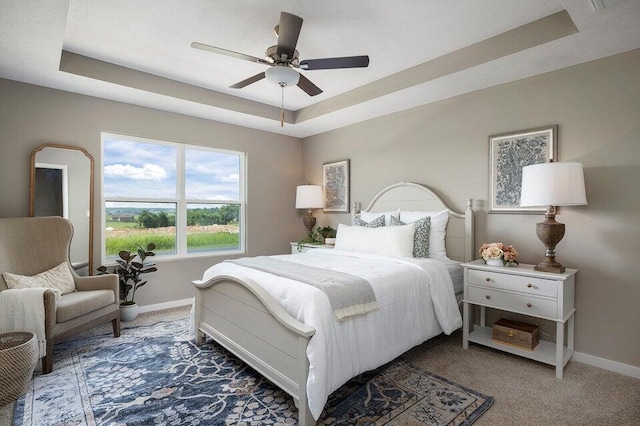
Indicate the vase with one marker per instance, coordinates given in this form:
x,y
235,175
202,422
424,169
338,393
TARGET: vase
x,y
129,312
494,262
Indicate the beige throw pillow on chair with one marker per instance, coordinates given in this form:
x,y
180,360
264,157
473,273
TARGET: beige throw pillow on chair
x,y
59,279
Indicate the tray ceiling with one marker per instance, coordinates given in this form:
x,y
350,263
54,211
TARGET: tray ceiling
x,y
420,52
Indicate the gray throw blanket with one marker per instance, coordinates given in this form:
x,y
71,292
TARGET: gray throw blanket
x,y
348,295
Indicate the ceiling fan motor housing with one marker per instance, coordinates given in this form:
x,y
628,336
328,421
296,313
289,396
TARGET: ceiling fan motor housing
x,y
272,56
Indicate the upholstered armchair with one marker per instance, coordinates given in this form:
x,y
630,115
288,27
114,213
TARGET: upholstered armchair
x,y
30,246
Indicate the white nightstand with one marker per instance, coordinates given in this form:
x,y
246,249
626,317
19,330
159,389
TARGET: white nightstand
x,y
522,290
305,247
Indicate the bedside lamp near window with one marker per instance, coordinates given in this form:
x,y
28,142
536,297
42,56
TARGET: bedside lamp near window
x,y
551,185
309,197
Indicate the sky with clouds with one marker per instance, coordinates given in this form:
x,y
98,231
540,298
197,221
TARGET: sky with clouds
x,y
135,169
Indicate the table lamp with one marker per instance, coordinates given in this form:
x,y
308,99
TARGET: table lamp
x,y
551,185
309,197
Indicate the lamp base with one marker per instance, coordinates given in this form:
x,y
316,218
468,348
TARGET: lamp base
x,y
550,233
549,266
309,221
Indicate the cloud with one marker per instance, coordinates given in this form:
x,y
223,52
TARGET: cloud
x,y
235,177
146,172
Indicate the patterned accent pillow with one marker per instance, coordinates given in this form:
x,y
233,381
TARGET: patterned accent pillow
x,y
376,223
369,216
437,231
59,279
421,236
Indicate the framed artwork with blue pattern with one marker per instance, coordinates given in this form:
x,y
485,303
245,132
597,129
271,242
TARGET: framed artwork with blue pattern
x,y
508,154
335,186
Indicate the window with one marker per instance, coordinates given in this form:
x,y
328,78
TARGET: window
x,y
186,200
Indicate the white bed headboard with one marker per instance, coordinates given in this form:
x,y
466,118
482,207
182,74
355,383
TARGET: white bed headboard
x,y
413,196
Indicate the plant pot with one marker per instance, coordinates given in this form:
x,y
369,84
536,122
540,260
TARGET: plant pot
x,y
330,241
494,262
129,312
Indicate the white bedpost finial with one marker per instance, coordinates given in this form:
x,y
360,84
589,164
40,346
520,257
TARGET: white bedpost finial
x,y
355,210
469,232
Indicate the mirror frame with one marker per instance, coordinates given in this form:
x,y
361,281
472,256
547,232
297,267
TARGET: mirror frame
x,y
32,191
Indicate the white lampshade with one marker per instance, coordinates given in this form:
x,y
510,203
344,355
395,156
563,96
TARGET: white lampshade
x,y
308,197
282,75
553,184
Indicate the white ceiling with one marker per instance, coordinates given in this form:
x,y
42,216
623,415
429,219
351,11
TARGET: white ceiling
x,y
154,37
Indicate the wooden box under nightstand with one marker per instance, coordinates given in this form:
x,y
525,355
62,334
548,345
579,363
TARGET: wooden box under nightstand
x,y
515,333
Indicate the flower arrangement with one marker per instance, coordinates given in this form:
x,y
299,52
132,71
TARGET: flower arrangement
x,y
508,254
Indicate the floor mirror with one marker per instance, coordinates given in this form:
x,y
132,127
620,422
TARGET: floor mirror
x,y
62,185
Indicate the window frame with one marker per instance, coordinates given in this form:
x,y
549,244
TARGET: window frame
x,y
180,201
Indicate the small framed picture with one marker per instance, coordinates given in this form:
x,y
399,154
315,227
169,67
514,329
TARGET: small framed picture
x,y
335,186
508,154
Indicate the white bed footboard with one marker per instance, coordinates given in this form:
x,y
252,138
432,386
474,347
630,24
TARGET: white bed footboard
x,y
241,316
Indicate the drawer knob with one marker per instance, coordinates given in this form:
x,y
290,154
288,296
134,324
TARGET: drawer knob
x,y
529,285
487,279
529,305
488,297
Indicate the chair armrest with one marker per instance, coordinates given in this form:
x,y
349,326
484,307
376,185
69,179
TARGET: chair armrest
x,y
99,282
49,313
39,302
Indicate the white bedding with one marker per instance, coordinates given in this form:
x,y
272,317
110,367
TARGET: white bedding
x,y
416,300
456,272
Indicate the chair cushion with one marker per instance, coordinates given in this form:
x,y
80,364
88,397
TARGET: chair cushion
x,y
59,279
76,304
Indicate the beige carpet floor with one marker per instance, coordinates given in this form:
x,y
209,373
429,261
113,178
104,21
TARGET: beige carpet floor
x,y
526,392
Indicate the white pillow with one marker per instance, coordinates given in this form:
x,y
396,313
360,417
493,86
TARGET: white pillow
x,y
393,241
369,216
437,233
59,279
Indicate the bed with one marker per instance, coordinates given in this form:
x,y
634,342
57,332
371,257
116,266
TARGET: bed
x,y
279,334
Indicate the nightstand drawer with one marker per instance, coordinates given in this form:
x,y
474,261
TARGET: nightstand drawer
x,y
534,286
514,302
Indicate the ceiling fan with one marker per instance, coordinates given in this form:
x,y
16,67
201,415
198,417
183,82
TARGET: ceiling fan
x,y
283,58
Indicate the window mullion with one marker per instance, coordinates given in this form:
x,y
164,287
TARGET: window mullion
x,y
181,220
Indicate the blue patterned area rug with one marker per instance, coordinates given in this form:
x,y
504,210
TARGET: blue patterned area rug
x,y
156,376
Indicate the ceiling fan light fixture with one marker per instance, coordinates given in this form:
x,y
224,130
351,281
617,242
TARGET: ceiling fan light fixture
x,y
282,76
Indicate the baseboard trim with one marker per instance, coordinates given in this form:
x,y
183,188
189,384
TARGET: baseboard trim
x,y
606,364
166,305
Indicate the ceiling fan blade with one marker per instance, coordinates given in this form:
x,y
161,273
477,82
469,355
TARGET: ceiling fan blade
x,y
226,52
248,81
288,33
305,84
333,63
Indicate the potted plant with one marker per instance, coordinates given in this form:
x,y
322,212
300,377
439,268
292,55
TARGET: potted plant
x,y
312,238
129,271
328,233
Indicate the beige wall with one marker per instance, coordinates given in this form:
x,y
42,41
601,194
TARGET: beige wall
x,y
31,115
445,146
